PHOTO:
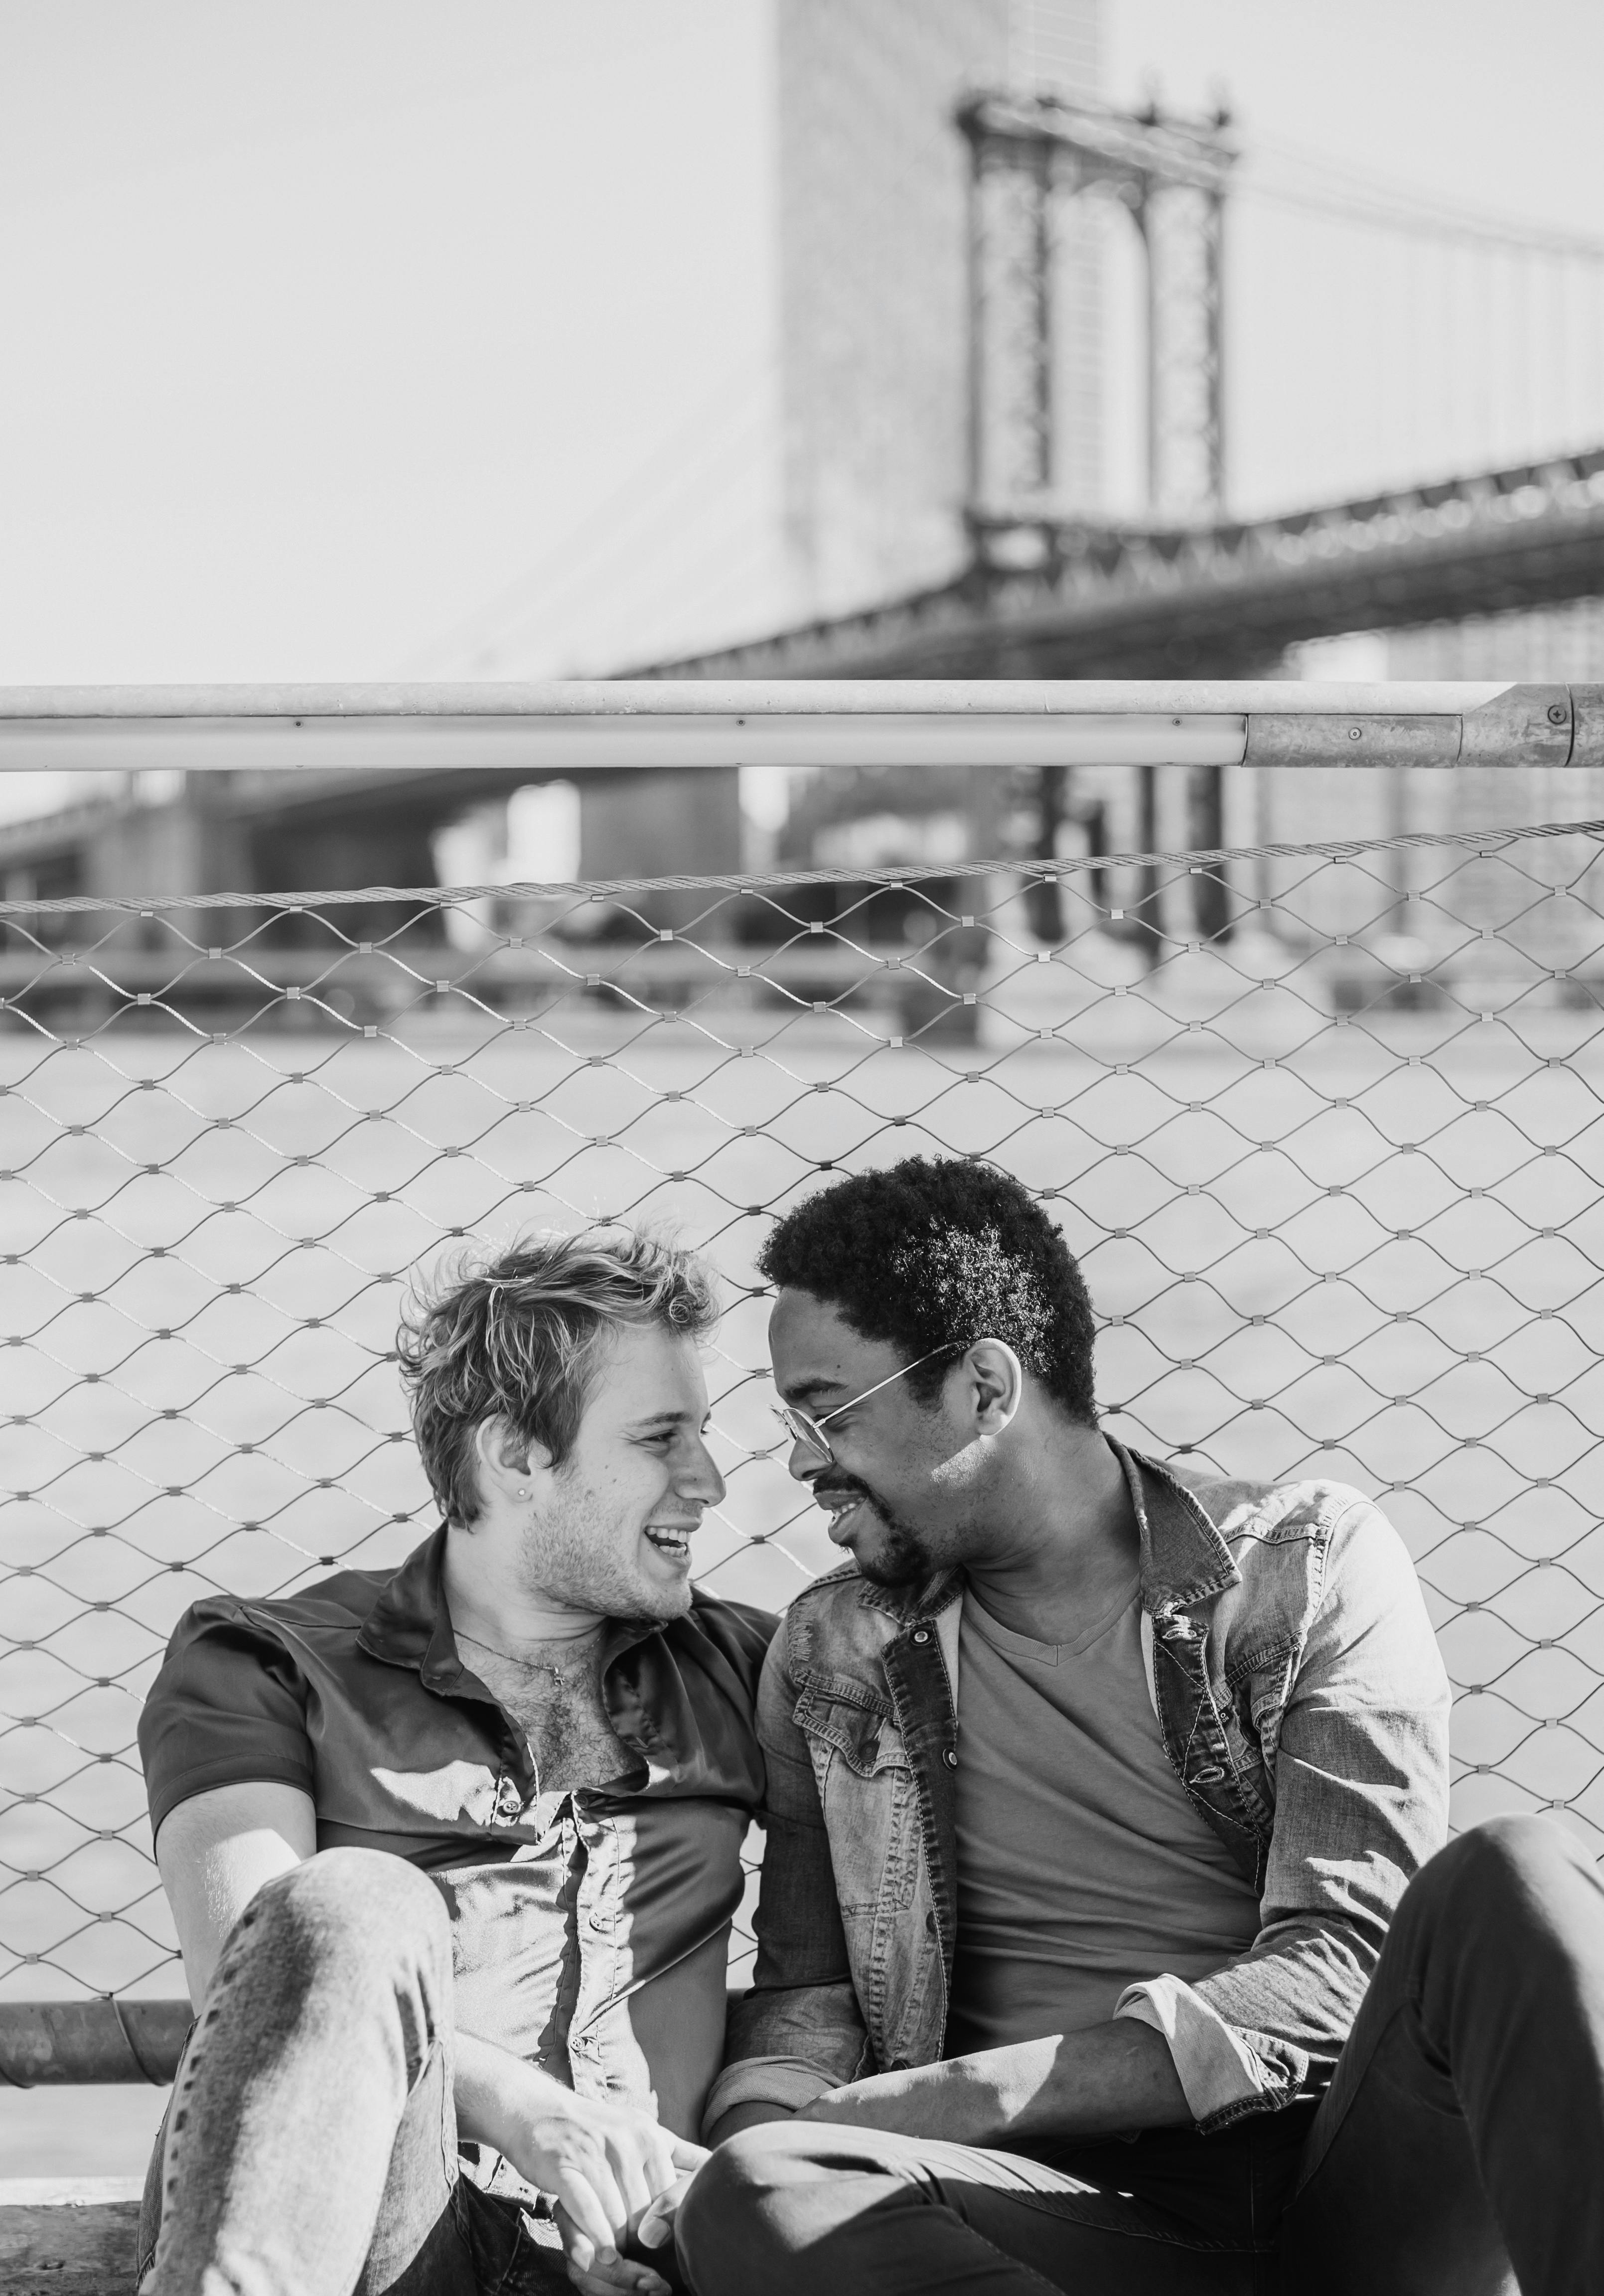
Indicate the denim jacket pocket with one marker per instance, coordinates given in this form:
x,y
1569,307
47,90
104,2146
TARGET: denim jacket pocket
x,y
866,1790
864,1734
1259,1683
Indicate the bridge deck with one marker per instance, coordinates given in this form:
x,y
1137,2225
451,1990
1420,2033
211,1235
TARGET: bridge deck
x,y
1048,599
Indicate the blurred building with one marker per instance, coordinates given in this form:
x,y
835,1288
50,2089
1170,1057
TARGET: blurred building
x,y
873,316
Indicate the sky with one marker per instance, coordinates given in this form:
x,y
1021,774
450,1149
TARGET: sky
x,y
323,321
335,329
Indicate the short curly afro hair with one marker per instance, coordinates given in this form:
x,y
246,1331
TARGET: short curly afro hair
x,y
941,1252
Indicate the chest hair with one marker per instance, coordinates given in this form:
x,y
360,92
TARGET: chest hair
x,y
571,1741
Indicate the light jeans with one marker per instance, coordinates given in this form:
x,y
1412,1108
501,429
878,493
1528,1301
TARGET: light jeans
x,y
310,2147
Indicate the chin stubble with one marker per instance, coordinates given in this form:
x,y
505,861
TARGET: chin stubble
x,y
900,1559
572,1555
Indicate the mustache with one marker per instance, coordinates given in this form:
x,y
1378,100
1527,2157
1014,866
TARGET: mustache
x,y
847,1486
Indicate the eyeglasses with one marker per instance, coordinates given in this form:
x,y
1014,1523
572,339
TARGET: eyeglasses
x,y
802,1427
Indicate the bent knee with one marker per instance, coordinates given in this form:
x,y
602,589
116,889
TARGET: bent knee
x,y
1504,1862
1501,1849
722,2189
750,2218
720,2216
365,1901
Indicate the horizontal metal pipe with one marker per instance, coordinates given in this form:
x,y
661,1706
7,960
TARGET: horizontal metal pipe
x,y
584,725
64,2043
568,744
798,697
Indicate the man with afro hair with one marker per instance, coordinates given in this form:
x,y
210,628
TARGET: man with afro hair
x,y
1107,1939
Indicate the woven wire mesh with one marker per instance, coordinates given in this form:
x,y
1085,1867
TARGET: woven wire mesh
x,y
1331,1159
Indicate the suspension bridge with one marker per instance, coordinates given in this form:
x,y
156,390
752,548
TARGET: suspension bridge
x,y
1268,327
1053,587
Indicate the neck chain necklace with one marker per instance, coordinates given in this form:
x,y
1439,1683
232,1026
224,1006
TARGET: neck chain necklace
x,y
584,1644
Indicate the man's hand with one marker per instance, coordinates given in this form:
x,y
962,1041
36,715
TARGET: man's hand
x,y
655,2227
606,2272
603,2164
746,2116
602,2271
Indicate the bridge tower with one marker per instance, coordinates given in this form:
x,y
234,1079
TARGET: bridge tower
x,y
1033,163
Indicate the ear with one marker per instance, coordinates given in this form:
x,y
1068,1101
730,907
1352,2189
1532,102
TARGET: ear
x,y
507,1465
994,1384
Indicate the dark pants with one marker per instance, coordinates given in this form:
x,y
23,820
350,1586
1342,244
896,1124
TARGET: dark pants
x,y
1464,2130
310,2147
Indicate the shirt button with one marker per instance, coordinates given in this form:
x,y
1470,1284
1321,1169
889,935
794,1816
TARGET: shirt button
x,y
921,1634
950,1758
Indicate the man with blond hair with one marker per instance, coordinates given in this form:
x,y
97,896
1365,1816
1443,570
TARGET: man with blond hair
x,y
453,1851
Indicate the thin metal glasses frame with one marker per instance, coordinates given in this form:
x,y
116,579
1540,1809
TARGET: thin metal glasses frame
x,y
802,1427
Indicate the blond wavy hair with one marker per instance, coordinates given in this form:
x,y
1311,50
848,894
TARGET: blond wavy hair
x,y
517,1338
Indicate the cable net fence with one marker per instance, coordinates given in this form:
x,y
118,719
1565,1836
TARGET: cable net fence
x,y
1323,1126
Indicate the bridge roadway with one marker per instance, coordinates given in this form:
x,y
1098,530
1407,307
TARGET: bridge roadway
x,y
1052,599
1044,599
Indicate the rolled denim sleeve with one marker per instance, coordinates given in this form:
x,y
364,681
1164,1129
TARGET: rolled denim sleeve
x,y
799,2032
1361,1772
1214,2064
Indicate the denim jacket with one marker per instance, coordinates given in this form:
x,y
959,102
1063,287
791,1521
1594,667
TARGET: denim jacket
x,y
1302,1703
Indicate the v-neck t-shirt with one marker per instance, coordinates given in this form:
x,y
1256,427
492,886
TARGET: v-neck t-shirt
x,y
1082,1866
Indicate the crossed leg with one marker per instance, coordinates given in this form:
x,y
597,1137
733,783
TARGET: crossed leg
x,y
794,2209
1462,2142
310,2146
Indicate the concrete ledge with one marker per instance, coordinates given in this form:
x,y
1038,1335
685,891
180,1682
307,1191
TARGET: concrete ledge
x,y
77,2236
62,2236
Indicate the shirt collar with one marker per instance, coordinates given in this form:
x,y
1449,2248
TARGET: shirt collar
x,y
410,1625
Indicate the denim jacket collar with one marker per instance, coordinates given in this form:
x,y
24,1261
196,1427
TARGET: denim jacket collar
x,y
1183,1558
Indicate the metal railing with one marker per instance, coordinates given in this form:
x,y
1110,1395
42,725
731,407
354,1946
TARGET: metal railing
x,y
690,721
1333,1169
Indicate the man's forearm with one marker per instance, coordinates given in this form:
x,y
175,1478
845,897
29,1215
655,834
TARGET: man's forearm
x,y
746,2116
1096,2083
494,2090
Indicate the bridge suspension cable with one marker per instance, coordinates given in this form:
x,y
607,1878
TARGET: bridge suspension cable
x,y
1379,335
1292,176
585,593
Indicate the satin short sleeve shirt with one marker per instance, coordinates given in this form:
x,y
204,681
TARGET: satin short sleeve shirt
x,y
591,1939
